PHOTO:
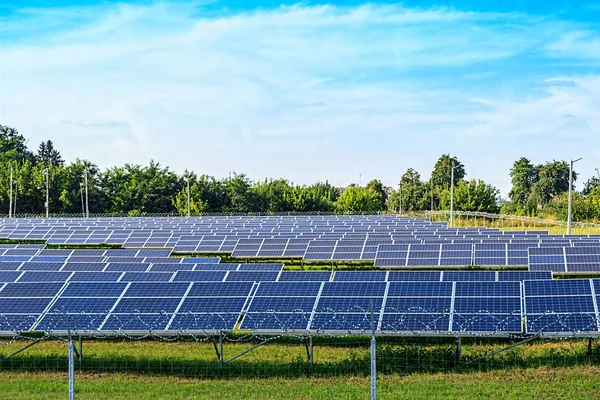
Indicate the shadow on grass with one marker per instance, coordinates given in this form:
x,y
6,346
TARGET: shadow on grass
x,y
394,356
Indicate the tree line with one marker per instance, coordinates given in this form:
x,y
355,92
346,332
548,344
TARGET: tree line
x,y
134,189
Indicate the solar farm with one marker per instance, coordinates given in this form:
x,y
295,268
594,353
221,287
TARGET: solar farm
x,y
239,284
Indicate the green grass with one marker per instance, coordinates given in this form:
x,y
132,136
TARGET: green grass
x,y
541,383
407,368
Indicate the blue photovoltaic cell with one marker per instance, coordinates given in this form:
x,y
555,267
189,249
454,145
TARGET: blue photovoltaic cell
x,y
316,276
146,277
287,289
414,322
137,322
420,289
204,321
247,276
9,276
414,276
360,276
282,304
10,265
127,267
87,267
35,276
87,322
76,289
83,305
147,305
212,305
524,275
349,304
199,276
171,267
95,276
353,289
41,266
17,323
220,289
157,289
343,322
451,276
201,260
215,267
30,289
23,305
418,304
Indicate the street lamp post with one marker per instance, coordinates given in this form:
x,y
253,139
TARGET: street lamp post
x,y
187,181
400,189
15,202
87,204
10,194
47,193
570,208
82,204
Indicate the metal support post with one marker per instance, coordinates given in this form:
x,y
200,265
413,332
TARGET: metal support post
x,y
590,350
10,194
309,350
80,350
458,354
71,369
373,356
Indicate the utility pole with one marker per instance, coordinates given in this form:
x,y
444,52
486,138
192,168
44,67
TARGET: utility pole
x,y
570,210
47,193
15,202
87,204
452,196
82,204
598,172
187,181
10,194
400,189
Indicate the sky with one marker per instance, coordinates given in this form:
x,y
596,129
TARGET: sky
x,y
344,91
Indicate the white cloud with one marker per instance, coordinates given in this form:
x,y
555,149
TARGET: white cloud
x,y
304,92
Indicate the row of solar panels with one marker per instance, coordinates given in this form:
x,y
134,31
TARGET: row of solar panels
x,y
261,273
565,259
549,307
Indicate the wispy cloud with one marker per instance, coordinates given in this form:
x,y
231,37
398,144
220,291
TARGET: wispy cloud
x,y
351,88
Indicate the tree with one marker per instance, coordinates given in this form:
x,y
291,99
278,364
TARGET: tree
x,y
523,176
414,193
442,171
590,185
13,145
378,188
553,179
48,155
474,195
358,200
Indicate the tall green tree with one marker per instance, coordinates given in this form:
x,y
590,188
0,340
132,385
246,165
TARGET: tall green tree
x,y
442,171
48,155
553,179
523,176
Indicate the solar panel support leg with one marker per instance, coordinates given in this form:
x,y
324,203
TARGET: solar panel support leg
x,y
256,346
71,370
309,350
590,350
458,354
80,352
22,349
218,349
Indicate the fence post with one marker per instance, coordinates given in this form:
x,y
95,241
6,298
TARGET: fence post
x,y
373,357
71,369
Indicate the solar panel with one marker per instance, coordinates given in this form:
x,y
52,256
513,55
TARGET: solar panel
x,y
312,276
560,307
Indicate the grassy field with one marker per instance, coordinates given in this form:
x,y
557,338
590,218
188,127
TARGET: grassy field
x,y
424,369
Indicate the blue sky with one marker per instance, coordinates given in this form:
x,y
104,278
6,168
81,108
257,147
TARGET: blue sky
x,y
308,91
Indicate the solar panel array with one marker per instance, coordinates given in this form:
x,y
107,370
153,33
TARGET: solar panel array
x,y
546,307
565,259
